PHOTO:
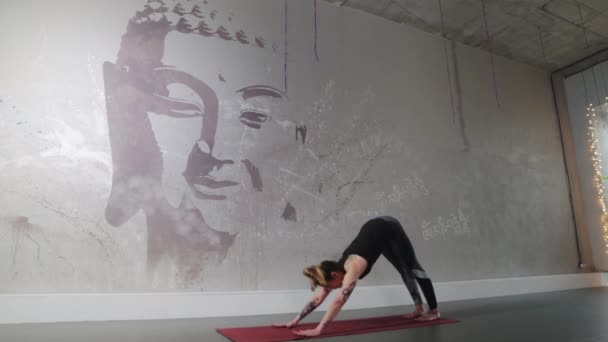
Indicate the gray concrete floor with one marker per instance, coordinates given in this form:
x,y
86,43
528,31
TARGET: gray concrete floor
x,y
566,316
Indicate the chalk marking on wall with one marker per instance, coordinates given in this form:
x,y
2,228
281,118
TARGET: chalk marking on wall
x,y
72,215
440,227
72,147
285,124
19,162
361,174
312,154
363,213
291,172
40,56
344,144
298,188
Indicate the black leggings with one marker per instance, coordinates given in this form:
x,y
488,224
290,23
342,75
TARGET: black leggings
x,y
400,252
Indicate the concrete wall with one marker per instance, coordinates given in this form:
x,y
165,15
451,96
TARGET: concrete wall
x,y
139,155
583,89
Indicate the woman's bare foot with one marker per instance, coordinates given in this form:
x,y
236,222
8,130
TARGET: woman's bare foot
x,y
429,316
416,313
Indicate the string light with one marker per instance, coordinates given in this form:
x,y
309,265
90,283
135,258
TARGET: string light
x,y
596,157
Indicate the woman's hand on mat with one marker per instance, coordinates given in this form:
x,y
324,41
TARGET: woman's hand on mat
x,y
311,332
430,316
289,324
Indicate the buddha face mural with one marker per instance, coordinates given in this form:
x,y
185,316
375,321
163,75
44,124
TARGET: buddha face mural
x,y
189,130
203,142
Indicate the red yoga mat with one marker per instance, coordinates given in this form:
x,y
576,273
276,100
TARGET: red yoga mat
x,y
337,328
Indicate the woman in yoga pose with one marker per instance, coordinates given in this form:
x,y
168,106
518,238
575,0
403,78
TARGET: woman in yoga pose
x,y
378,236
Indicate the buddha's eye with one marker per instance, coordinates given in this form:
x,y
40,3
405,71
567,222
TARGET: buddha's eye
x,y
253,119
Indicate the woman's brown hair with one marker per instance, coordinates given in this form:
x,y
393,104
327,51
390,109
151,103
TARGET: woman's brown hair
x,y
320,274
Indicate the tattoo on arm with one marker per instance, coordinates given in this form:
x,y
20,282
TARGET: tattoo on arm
x,y
310,307
348,291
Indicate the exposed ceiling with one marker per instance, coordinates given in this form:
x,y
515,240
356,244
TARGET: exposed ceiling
x,y
547,33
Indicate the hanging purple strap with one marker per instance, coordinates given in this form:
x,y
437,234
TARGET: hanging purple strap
x,y
447,62
316,32
485,22
285,48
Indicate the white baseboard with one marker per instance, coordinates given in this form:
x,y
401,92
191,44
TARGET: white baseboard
x,y
146,306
